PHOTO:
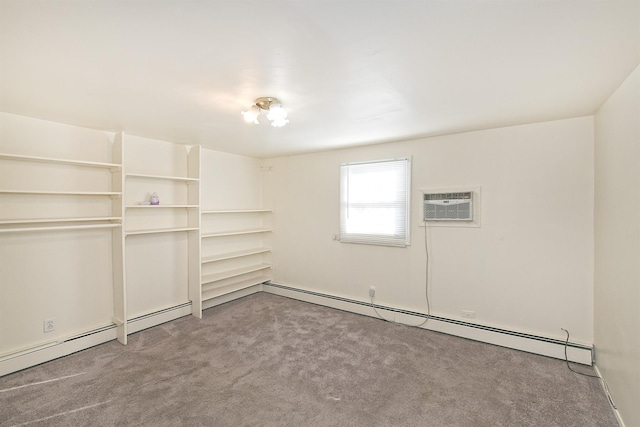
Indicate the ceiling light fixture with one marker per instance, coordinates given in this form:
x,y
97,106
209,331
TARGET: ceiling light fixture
x,y
275,113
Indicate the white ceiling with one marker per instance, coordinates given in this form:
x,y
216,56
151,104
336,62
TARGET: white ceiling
x,y
349,72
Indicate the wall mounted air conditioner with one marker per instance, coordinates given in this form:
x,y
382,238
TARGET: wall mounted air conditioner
x,y
456,206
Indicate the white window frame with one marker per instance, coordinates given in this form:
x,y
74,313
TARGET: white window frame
x,y
397,205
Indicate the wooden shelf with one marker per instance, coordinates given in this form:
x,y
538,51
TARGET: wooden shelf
x,y
161,177
159,206
60,227
214,290
233,273
237,211
113,166
237,232
64,193
237,254
159,231
50,220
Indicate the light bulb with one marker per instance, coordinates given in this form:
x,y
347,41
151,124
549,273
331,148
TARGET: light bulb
x,y
278,123
251,115
277,113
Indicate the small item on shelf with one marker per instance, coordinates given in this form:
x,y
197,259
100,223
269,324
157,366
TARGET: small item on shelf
x,y
155,200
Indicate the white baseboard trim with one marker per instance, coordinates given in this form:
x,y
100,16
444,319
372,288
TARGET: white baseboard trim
x,y
46,352
577,353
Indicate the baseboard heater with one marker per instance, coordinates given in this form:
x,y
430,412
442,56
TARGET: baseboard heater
x,y
145,321
578,353
62,347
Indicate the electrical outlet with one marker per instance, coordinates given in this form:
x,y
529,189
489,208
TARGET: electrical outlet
x,y
49,325
372,291
469,314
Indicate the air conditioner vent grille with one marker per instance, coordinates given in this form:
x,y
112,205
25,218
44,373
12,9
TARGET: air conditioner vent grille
x,y
448,206
449,196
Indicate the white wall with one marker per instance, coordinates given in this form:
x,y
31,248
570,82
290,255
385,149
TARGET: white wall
x,y
230,181
617,246
529,267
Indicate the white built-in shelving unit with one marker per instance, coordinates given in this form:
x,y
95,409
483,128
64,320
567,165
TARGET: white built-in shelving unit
x,y
51,194
82,244
228,250
235,250
178,212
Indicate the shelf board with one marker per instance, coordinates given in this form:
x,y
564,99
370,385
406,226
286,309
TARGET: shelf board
x,y
50,220
209,278
159,206
161,177
237,232
7,156
232,255
63,193
214,291
160,230
60,227
237,211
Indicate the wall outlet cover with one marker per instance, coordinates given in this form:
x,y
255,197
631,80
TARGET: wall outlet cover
x,y
49,325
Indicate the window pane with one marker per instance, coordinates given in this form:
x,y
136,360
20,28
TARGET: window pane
x,y
374,202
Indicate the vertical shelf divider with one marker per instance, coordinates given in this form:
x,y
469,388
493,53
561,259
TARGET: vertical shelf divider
x,y
118,258
193,198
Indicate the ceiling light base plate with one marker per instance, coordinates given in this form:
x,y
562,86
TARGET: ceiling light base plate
x,y
265,102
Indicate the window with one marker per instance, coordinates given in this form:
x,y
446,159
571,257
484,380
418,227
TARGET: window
x,y
374,202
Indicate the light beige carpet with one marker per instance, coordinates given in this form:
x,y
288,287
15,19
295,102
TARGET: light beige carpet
x,y
265,360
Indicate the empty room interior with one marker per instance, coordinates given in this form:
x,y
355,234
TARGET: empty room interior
x,y
320,212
